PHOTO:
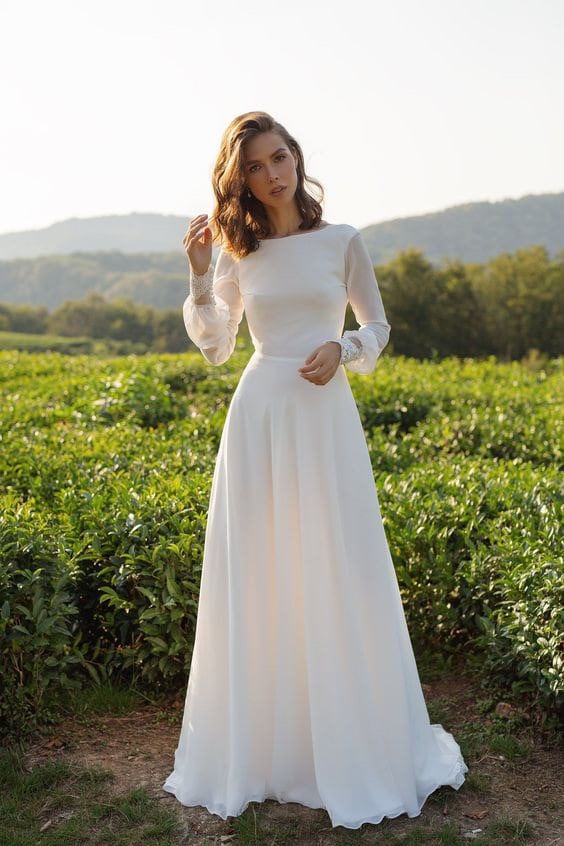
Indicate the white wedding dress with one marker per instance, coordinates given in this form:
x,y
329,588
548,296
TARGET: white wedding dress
x,y
303,685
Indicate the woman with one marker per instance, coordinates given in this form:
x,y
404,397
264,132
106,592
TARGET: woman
x,y
303,685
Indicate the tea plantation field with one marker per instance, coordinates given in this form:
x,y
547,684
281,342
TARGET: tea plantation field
x,y
105,474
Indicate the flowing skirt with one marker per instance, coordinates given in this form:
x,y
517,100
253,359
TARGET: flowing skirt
x,y
303,685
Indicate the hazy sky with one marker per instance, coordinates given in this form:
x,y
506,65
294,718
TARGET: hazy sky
x,y
401,107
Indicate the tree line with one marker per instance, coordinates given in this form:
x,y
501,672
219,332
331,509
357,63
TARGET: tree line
x,y
505,307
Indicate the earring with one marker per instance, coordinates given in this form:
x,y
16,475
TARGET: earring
x,y
249,193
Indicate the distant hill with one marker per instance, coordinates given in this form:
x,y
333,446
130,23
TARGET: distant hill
x,y
139,256
471,232
126,233
153,279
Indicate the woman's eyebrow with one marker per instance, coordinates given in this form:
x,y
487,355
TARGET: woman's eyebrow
x,y
257,161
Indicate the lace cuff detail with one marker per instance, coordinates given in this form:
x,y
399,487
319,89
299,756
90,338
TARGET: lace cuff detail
x,y
350,351
202,284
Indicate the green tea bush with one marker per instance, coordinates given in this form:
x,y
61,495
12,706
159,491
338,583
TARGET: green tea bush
x,y
105,475
478,556
39,647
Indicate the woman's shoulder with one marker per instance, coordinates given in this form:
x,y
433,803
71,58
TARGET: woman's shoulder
x,y
226,264
347,235
347,230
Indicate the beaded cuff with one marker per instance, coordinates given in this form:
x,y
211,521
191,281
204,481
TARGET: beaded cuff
x,y
202,284
349,350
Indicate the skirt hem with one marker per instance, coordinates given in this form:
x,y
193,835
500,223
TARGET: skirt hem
x,y
454,779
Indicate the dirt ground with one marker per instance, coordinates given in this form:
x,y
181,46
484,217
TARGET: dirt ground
x,y
139,748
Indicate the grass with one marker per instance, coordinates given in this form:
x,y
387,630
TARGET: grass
x,y
30,342
59,802
252,830
106,698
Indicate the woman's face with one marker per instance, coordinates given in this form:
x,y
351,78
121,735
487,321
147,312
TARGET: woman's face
x,y
270,163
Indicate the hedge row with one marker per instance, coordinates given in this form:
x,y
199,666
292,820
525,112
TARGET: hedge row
x,y
105,472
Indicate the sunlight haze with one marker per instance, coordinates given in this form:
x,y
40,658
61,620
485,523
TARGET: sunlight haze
x,y
401,108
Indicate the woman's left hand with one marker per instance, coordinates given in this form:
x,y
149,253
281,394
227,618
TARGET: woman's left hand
x,y
321,365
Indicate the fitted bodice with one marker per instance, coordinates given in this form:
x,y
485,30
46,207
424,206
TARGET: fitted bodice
x,y
294,290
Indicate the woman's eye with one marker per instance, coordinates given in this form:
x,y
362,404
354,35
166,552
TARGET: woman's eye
x,y
279,156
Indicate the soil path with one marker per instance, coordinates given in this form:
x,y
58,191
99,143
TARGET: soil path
x,y
139,747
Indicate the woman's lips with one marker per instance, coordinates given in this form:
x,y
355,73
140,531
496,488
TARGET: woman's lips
x,y
278,190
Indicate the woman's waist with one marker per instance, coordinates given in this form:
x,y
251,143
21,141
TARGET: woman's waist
x,y
294,351
258,355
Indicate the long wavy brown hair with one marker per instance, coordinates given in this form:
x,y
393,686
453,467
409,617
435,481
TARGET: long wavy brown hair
x,y
239,221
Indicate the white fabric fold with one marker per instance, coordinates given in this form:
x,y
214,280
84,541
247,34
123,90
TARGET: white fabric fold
x,y
367,305
213,326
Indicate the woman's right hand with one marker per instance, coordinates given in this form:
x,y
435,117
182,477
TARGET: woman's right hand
x,y
198,244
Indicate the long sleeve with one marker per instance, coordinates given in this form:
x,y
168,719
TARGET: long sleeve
x,y
213,325
361,348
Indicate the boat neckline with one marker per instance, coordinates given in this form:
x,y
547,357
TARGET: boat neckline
x,y
298,234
